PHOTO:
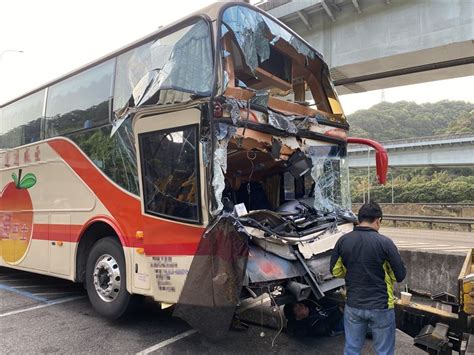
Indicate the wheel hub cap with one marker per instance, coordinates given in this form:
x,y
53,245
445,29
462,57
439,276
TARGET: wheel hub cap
x,y
107,278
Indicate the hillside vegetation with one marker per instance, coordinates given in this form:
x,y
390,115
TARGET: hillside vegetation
x,y
388,121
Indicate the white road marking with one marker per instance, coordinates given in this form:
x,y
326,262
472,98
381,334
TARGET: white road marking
x,y
435,247
442,247
31,286
52,303
54,293
457,248
164,343
167,342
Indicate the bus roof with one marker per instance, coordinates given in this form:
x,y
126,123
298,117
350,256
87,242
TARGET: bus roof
x,y
211,12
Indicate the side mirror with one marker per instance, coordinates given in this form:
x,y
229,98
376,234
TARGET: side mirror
x,y
381,156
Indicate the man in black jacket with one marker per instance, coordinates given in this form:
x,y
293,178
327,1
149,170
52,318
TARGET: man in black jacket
x,y
370,264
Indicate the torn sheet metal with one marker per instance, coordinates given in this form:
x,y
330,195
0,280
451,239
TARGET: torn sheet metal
x,y
325,242
255,33
219,170
214,282
319,267
310,122
261,99
238,109
282,250
281,122
233,107
223,133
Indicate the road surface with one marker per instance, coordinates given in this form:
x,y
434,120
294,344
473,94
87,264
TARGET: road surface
x,y
39,314
438,241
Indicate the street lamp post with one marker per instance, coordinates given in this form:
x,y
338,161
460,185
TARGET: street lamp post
x,y
9,50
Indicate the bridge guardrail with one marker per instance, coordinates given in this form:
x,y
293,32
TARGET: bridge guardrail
x,y
430,220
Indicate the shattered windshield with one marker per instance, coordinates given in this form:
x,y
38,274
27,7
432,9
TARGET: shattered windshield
x,y
330,173
275,173
261,55
170,69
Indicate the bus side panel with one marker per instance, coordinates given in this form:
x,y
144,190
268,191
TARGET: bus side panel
x,y
69,192
57,202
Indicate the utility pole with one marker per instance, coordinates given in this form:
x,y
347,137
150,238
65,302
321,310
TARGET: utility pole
x,y
368,175
393,196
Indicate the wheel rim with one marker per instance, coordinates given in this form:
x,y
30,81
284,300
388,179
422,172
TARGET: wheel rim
x,y
107,278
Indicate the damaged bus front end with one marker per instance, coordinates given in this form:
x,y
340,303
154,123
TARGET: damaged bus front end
x,y
269,140
279,188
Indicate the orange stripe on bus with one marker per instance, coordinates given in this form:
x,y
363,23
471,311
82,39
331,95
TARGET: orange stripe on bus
x,y
125,209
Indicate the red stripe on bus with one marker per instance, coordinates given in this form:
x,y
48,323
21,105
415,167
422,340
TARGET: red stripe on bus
x,y
57,232
126,209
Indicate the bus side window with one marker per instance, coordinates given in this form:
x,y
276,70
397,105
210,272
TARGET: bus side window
x,y
170,173
21,121
80,102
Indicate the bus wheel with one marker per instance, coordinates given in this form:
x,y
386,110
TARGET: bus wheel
x,y
106,279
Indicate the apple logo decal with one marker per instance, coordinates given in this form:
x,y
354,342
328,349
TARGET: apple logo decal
x,y
16,217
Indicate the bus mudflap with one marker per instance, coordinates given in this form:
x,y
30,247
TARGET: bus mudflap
x,y
212,289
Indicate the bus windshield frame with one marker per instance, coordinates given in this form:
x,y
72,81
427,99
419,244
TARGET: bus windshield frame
x,y
261,54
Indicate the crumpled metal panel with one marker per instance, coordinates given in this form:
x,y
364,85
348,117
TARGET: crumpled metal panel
x,y
223,133
281,122
309,122
233,106
263,266
219,169
214,282
286,123
284,251
319,266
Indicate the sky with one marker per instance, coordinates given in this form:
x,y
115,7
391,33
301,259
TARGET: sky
x,y
434,91
57,36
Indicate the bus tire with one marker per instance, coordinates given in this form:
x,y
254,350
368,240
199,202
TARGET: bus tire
x,y
106,279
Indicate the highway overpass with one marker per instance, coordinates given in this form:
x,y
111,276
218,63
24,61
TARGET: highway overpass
x,y
436,151
376,44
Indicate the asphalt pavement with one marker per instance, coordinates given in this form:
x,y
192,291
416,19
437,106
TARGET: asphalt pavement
x,y
40,314
439,241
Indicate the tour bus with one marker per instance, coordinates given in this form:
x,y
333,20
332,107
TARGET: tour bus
x,y
198,166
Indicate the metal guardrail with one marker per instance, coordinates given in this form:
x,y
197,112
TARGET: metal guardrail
x,y
430,220
383,204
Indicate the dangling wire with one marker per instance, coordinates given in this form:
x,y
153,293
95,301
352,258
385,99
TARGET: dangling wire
x,y
262,333
251,156
281,319
247,119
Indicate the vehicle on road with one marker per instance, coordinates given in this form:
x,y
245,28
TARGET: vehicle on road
x,y
199,165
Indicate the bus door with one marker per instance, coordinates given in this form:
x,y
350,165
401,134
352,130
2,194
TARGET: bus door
x,y
171,174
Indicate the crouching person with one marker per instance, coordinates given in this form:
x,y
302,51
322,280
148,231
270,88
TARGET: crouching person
x,y
309,319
